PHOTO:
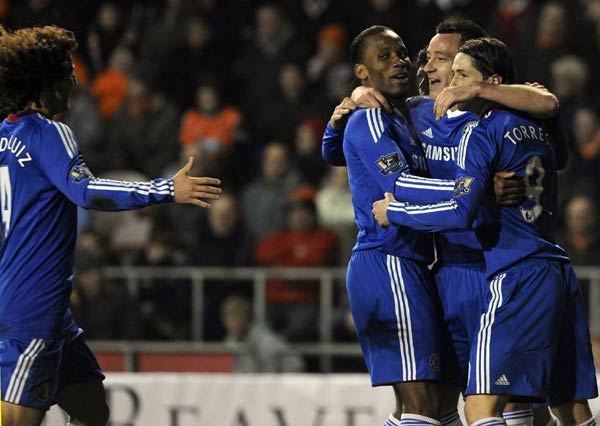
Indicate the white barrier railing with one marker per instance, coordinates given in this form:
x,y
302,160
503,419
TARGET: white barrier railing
x,y
257,277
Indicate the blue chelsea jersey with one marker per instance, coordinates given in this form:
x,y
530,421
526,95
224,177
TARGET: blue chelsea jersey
x,y
440,140
501,140
378,147
43,178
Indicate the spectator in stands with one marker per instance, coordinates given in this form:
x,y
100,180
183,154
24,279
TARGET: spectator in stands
x,y
105,34
264,198
258,349
569,78
583,168
274,43
226,244
328,69
104,307
195,58
307,157
582,237
209,131
550,41
110,86
334,209
293,304
143,136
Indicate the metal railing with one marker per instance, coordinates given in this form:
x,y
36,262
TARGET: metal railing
x,y
257,277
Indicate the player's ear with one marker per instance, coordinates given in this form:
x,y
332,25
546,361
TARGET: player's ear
x,y
360,71
495,79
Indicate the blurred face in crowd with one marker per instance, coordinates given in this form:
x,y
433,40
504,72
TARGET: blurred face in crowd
x,y
275,162
291,80
552,22
109,17
306,140
301,218
585,125
207,98
236,317
223,216
385,65
268,23
581,215
440,55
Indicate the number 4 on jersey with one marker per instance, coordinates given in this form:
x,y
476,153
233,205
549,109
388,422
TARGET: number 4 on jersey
x,y
5,198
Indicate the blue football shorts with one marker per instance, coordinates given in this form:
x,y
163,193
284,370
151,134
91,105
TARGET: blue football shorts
x,y
573,374
395,311
518,333
33,371
462,289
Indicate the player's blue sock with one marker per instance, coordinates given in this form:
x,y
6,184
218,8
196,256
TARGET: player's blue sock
x,y
589,422
519,417
490,421
452,419
392,421
409,419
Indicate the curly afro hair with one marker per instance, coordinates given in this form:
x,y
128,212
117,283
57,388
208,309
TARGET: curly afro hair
x,y
31,61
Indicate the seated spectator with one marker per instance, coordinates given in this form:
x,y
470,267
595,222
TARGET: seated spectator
x,y
224,243
209,130
293,305
259,350
582,236
328,69
143,135
334,208
104,308
307,151
110,87
264,198
583,167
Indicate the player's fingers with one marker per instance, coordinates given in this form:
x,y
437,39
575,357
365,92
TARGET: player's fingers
x,y
348,104
205,181
204,188
504,175
200,203
511,191
208,195
389,196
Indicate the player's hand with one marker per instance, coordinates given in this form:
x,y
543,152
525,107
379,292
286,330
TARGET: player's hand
x,y
341,113
536,85
380,209
190,190
368,97
450,96
509,189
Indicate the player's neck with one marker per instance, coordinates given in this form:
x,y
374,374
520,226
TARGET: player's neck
x,y
480,107
33,106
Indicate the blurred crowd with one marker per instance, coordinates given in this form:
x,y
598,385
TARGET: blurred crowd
x,y
247,88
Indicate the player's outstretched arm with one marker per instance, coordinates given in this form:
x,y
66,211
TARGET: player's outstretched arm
x,y
533,99
191,190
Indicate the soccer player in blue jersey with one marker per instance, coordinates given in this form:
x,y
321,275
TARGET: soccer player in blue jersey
x,y
460,267
390,289
44,358
525,339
